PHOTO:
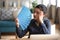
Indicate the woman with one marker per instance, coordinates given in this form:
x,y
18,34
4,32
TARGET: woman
x,y
39,25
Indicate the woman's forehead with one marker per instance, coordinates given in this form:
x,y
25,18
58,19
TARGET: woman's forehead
x,y
37,10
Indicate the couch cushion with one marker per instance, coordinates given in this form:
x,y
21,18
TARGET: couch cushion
x,y
7,29
7,14
0,13
7,24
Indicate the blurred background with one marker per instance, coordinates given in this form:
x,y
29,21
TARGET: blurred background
x,y
53,6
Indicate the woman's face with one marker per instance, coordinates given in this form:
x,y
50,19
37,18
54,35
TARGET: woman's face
x,y
38,13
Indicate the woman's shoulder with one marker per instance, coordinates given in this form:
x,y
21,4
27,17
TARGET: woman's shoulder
x,y
33,20
46,20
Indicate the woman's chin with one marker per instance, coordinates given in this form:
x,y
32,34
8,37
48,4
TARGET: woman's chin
x,y
35,19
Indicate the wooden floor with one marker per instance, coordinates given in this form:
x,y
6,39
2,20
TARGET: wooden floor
x,y
33,37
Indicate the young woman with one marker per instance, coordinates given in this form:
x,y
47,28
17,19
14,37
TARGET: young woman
x,y
39,25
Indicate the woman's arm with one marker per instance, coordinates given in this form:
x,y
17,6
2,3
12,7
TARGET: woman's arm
x,y
19,31
46,26
45,23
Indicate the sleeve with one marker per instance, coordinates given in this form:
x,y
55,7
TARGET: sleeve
x,y
20,32
46,27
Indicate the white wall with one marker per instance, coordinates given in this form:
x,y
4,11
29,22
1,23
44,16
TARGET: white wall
x,y
25,3
58,3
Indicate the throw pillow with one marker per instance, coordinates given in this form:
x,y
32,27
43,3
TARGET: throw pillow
x,y
7,14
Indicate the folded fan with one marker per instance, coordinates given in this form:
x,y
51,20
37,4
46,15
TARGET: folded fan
x,y
24,17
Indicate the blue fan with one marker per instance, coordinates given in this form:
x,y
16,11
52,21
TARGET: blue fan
x,y
24,17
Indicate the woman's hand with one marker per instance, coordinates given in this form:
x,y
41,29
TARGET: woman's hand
x,y
17,22
41,15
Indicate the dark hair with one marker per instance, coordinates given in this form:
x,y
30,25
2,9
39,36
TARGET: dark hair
x,y
42,8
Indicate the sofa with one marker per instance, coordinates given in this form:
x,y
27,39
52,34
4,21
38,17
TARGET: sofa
x,y
7,26
7,23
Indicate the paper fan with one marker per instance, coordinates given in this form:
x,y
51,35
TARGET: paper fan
x,y
24,17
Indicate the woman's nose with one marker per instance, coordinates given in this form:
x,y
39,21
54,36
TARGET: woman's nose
x,y
34,14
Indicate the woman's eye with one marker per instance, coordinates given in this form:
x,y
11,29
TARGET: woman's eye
x,y
37,12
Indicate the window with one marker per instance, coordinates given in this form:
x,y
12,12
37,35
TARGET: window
x,y
58,3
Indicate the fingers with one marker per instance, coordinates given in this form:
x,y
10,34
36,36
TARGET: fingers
x,y
41,15
17,22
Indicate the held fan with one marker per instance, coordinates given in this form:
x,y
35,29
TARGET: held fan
x,y
24,17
